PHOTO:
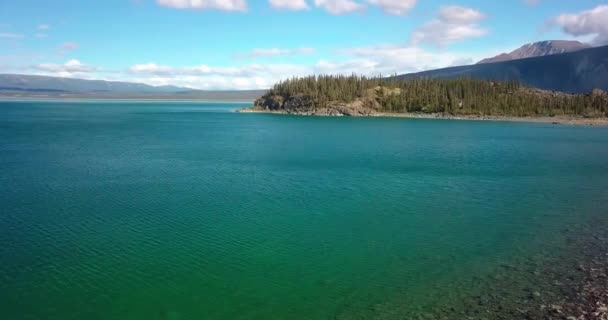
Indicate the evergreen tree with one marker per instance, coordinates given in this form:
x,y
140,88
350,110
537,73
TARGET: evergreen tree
x,y
451,96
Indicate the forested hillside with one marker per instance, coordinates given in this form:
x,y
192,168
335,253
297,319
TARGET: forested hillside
x,y
355,95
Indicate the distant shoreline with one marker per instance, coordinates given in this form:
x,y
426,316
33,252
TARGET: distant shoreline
x,y
57,99
564,120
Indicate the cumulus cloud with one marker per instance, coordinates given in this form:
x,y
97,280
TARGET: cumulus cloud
x,y
371,61
207,83
460,15
592,22
225,5
72,68
249,70
390,59
396,7
454,23
336,7
44,27
442,34
273,52
150,68
339,6
251,76
289,4
5,35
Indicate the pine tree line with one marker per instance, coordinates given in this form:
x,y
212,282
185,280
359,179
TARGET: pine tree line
x,y
451,96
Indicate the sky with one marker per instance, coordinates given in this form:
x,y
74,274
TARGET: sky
x,y
251,44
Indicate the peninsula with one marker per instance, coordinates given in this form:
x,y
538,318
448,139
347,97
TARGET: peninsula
x,y
430,98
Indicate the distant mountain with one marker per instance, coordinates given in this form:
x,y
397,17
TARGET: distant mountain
x,y
31,86
576,72
539,49
20,82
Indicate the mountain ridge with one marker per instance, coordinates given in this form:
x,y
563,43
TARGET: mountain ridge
x,y
20,86
575,72
538,49
40,83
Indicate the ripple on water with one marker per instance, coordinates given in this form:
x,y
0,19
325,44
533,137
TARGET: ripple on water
x,y
162,211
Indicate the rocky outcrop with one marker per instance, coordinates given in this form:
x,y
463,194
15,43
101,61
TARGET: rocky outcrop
x,y
271,103
356,108
305,105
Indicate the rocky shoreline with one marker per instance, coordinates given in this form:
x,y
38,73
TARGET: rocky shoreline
x,y
332,112
568,281
572,285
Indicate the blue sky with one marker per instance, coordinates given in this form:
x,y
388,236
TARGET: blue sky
x,y
248,44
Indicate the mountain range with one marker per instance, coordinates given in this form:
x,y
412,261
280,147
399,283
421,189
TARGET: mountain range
x,y
576,72
34,86
20,82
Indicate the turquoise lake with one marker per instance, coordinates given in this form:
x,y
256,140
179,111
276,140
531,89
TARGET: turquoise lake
x,y
161,210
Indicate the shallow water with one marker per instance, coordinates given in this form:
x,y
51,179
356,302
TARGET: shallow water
x,y
188,211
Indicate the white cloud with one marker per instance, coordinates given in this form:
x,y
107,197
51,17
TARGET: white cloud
x,y
390,59
205,70
44,27
454,24
592,22
396,7
251,76
442,34
460,15
207,83
225,5
373,60
289,4
339,6
151,68
72,68
10,35
273,52
345,67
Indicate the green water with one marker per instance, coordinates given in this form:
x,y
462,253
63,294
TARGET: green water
x,y
189,211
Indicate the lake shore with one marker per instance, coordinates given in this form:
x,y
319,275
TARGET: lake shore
x,y
565,120
571,284
566,281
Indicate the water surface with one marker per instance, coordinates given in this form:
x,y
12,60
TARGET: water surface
x,y
158,210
